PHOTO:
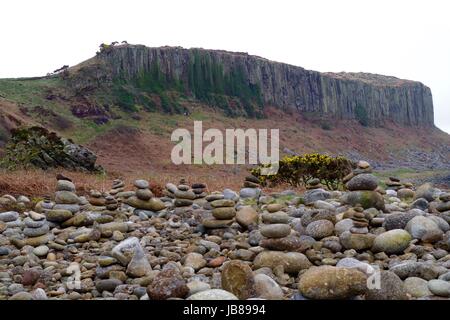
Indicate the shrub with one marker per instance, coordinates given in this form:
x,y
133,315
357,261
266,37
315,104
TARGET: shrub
x,y
299,170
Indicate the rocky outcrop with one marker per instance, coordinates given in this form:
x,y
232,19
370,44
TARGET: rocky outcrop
x,y
37,147
334,95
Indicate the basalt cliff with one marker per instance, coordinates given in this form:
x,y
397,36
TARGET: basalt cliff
x,y
375,98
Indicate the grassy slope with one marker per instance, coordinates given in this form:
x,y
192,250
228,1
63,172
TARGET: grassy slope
x,y
131,146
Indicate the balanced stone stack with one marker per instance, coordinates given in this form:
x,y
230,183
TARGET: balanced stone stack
x,y
35,225
444,205
402,190
356,236
36,231
199,190
44,204
362,185
393,184
111,203
223,212
10,219
143,198
184,195
96,199
66,203
117,187
360,223
251,182
252,188
275,225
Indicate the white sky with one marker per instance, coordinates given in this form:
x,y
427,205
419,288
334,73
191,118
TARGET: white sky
x,y
405,38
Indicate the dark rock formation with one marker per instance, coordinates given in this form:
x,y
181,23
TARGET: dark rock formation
x,y
335,95
36,146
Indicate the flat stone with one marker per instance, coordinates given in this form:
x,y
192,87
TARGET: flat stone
x,y
141,184
212,223
9,216
107,285
289,243
36,232
30,223
275,217
292,262
276,230
224,213
357,241
249,193
222,203
65,185
58,215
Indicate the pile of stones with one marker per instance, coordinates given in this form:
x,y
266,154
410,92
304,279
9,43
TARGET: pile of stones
x,y
315,244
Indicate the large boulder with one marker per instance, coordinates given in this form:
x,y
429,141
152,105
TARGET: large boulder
x,y
367,199
327,282
425,191
424,229
392,242
237,278
364,181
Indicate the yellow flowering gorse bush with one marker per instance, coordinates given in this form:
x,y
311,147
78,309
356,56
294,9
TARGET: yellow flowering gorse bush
x,y
299,170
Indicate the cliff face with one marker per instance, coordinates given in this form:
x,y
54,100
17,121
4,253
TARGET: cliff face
x,y
331,95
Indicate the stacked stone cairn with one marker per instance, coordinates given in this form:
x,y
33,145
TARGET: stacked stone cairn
x,y
363,187
444,205
143,198
200,190
183,194
281,247
97,200
223,211
251,189
402,190
117,186
67,203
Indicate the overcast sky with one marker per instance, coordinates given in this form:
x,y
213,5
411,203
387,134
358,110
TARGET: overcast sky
x,y
407,39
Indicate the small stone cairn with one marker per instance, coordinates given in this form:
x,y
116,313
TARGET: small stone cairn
x,y
143,198
223,211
